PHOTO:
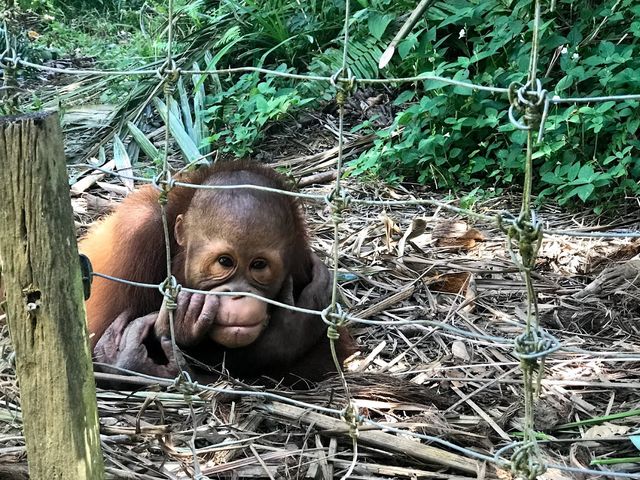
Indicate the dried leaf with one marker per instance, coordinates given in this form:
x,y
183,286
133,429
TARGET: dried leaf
x,y
389,228
450,282
456,235
606,430
417,228
459,350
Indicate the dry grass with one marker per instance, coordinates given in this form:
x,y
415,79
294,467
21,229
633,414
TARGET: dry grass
x,y
403,263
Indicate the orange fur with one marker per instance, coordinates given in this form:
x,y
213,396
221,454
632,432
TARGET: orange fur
x,y
114,247
129,244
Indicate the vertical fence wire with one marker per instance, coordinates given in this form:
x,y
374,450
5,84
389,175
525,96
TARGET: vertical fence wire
x,y
343,89
526,461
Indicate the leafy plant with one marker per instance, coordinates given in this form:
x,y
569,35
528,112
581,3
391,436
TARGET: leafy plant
x,y
454,137
281,31
237,114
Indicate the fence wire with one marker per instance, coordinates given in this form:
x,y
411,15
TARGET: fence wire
x,y
529,106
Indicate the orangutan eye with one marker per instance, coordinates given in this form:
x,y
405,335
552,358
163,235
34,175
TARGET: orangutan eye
x,y
226,261
259,264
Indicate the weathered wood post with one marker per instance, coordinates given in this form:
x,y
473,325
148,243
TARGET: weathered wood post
x,y
45,312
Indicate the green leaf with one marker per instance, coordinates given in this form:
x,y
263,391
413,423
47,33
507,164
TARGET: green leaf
x,y
262,105
185,107
607,49
593,61
605,106
586,172
583,191
463,76
177,130
564,83
200,130
476,57
404,97
378,23
586,109
122,161
464,62
575,36
407,46
552,179
572,172
145,144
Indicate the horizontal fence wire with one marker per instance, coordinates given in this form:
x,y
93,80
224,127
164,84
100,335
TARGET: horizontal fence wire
x,y
506,218
426,76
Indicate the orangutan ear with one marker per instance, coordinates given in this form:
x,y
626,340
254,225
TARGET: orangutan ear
x,y
179,232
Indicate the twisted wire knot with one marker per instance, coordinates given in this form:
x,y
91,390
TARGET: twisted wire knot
x,y
338,202
170,289
535,344
533,106
9,59
333,333
351,416
164,182
525,462
526,231
345,84
185,385
170,72
335,317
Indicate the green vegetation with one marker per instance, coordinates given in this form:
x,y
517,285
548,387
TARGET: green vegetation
x,y
447,137
50,29
239,113
453,137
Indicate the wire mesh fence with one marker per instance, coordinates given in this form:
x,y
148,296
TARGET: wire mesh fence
x,y
524,232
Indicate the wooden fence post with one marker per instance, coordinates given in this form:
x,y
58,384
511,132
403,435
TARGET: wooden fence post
x,y
45,311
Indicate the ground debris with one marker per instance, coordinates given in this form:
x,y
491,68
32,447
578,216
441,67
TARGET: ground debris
x,y
415,380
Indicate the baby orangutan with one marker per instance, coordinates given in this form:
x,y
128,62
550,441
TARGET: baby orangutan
x,y
227,240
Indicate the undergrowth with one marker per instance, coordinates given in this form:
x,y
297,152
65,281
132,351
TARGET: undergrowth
x,y
454,137
443,136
